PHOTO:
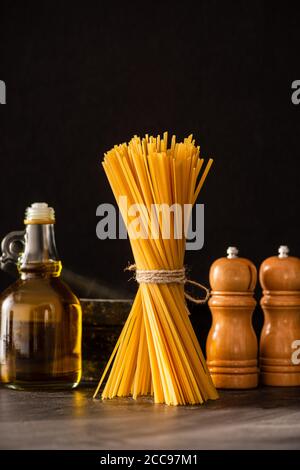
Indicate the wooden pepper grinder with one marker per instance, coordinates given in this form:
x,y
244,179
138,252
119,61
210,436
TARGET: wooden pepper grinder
x,y
231,346
280,337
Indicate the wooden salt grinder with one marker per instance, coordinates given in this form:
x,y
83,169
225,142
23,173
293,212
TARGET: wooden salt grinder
x,y
231,346
280,337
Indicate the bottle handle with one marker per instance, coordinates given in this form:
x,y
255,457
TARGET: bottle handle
x,y
11,247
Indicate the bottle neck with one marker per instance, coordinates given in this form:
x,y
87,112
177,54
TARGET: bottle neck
x,y
40,256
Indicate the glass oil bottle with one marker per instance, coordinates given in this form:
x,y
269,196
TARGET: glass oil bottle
x,y
40,317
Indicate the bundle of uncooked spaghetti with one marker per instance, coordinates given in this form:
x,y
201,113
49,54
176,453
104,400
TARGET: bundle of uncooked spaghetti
x,y
157,352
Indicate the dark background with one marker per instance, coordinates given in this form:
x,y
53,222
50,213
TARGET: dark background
x,y
80,80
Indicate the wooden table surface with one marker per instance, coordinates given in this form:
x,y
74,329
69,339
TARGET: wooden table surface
x,y
266,418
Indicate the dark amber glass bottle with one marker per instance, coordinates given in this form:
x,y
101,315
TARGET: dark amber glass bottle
x,y
40,317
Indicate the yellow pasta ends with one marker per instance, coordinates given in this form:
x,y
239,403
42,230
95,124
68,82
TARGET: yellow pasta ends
x,y
157,353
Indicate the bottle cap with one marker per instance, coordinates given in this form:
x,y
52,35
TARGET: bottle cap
x,y
39,213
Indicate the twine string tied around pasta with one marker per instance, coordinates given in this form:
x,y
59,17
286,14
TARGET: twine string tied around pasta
x,y
168,276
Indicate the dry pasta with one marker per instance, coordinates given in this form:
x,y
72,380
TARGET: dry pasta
x,y
157,352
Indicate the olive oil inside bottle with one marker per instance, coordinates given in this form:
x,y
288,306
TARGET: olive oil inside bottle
x,y
40,324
